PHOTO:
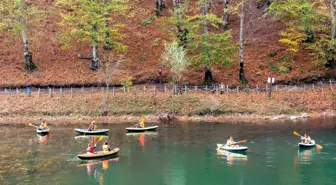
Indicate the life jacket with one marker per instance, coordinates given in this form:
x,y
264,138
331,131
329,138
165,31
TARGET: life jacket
x,y
90,149
94,127
106,148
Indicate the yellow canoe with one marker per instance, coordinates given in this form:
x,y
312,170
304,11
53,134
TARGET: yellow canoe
x,y
99,154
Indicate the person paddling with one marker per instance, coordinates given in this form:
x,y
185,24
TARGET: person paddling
x,y
106,147
230,142
141,124
92,126
306,139
43,125
90,149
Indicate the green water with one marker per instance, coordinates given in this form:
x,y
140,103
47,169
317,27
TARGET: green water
x,y
177,154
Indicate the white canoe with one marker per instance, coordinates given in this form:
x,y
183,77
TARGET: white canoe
x,y
134,129
237,148
42,131
306,145
97,131
86,137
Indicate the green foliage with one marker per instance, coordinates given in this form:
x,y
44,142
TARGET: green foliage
x,y
143,58
272,67
203,48
156,42
127,84
17,15
148,20
212,48
87,22
175,58
286,58
272,54
301,18
283,69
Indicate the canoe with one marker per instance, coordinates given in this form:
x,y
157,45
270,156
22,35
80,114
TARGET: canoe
x,y
99,154
42,131
134,129
307,145
237,148
97,131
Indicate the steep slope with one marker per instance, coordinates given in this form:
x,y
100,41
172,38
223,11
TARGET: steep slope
x,y
145,45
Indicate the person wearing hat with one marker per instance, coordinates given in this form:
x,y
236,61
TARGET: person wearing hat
x,y
306,139
92,126
90,149
43,125
230,142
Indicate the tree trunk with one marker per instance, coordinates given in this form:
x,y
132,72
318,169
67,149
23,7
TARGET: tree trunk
x,y
241,44
205,12
331,63
107,42
225,15
333,20
95,60
208,75
29,65
159,6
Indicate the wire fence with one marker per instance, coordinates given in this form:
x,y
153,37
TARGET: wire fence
x,y
165,88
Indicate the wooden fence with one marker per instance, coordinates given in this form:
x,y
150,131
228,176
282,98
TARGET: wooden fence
x,y
165,88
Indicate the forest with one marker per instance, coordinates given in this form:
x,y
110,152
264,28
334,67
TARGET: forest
x,y
60,42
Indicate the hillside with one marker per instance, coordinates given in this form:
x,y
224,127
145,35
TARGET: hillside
x,y
145,45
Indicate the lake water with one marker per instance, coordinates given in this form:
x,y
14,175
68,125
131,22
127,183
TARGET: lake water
x,y
177,154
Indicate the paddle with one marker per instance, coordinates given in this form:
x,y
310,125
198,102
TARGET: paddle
x,y
317,145
30,124
100,138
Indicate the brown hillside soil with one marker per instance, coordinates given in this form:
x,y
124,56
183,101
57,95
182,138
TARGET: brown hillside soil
x,y
80,108
145,45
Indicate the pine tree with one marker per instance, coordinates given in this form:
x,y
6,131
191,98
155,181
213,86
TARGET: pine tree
x,y
86,20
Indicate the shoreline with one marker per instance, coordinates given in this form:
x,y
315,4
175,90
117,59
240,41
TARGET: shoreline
x,y
150,119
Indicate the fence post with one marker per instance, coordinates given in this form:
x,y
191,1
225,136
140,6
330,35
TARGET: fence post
x,y
154,89
17,91
61,91
6,91
144,89
237,90
50,92
71,92
331,87
196,88
165,88
185,89
304,87
113,90
38,92
83,89
217,90
257,89
314,88
206,89
227,88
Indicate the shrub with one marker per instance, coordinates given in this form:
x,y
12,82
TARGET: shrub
x,y
272,54
272,67
283,69
148,20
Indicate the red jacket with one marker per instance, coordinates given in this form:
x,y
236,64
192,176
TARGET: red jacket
x,y
90,149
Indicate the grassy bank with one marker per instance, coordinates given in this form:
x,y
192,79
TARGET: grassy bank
x,y
190,106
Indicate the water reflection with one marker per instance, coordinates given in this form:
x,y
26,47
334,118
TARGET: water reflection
x,y
305,156
90,138
94,170
233,158
141,136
